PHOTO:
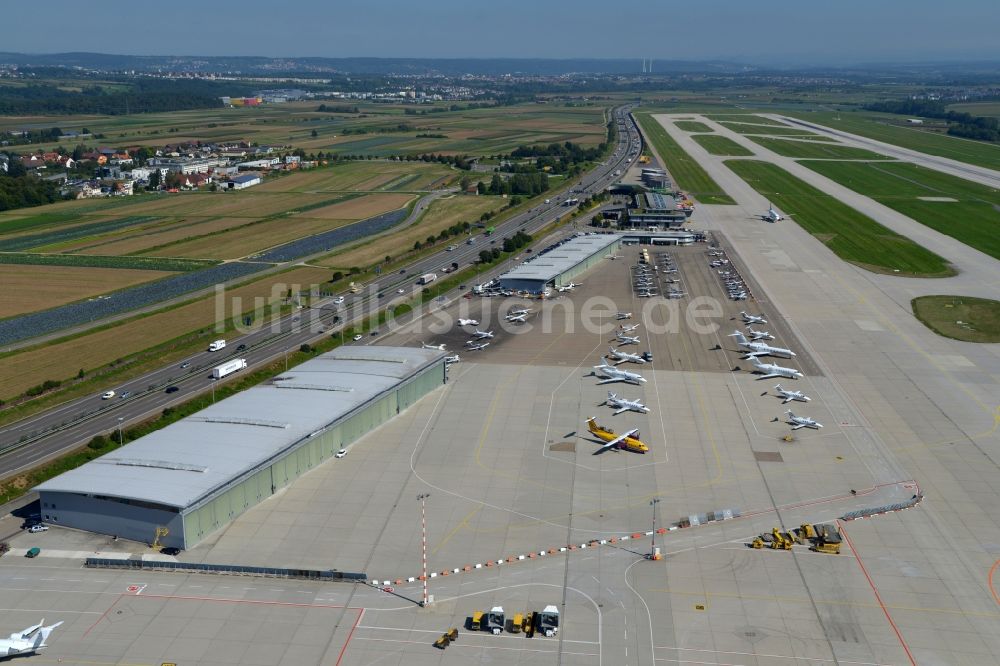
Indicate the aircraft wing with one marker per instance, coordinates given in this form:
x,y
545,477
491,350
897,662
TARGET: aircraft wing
x,y
609,380
618,439
623,409
768,376
787,400
756,354
798,425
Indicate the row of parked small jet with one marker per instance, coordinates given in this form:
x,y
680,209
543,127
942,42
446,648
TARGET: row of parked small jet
x,y
754,348
735,285
644,279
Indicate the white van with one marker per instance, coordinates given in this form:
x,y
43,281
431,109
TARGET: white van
x,y
216,345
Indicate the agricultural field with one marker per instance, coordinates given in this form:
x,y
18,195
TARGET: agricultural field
x,y
61,359
692,126
253,238
816,150
32,288
959,317
741,128
962,209
469,131
440,215
977,108
850,235
721,145
887,128
686,172
364,176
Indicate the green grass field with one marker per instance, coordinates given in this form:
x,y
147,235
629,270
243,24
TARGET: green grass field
x,y
692,126
686,171
883,127
850,235
973,218
767,129
959,317
816,150
721,145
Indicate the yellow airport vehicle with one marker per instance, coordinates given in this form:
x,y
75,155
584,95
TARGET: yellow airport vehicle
x,y
477,621
629,441
517,623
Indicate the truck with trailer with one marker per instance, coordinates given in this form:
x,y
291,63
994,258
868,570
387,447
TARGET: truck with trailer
x,y
216,345
228,368
427,278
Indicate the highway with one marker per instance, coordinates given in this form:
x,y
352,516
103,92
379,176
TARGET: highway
x,y
31,441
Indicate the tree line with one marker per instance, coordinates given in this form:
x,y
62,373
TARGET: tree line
x,y
144,96
19,190
961,124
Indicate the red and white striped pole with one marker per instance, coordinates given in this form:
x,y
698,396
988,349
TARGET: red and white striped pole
x,y
423,530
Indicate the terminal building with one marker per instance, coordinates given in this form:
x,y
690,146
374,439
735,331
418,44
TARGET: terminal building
x,y
197,475
656,211
559,265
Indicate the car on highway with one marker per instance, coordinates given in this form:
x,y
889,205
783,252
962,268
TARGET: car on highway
x,y
357,337
185,365
34,529
33,552
107,395
400,291
171,389
402,270
339,300
340,454
374,333
125,394
241,348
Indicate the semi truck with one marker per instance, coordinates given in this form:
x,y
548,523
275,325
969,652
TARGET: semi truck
x,y
228,368
427,278
216,345
548,621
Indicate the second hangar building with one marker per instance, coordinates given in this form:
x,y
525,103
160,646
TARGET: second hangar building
x,y
559,265
197,475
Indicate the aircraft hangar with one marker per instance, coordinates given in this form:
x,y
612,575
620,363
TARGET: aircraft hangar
x,y
196,475
558,265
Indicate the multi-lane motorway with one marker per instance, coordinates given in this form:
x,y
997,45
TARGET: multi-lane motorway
x,y
28,442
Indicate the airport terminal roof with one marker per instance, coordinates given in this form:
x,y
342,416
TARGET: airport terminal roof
x,y
548,266
192,458
657,201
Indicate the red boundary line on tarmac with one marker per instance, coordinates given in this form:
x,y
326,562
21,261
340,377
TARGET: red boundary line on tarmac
x,y
104,614
350,635
989,579
878,597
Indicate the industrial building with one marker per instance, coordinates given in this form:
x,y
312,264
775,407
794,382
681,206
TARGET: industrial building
x,y
655,178
195,476
559,265
657,211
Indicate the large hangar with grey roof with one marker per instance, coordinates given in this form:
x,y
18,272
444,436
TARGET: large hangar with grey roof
x,y
195,476
559,265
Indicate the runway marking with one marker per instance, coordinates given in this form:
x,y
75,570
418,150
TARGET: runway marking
x,y
791,599
857,557
760,654
49,610
480,647
463,523
503,636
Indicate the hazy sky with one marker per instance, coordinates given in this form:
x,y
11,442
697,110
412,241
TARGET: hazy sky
x,y
772,31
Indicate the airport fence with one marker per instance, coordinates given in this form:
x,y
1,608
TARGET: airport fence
x,y
875,511
225,569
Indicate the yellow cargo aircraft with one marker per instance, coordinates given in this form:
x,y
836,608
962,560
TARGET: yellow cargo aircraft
x,y
628,441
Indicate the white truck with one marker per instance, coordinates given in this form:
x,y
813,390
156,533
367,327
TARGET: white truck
x,y
228,368
216,345
427,278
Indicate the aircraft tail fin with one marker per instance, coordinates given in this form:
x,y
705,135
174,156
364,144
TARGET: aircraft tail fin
x,y
43,635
